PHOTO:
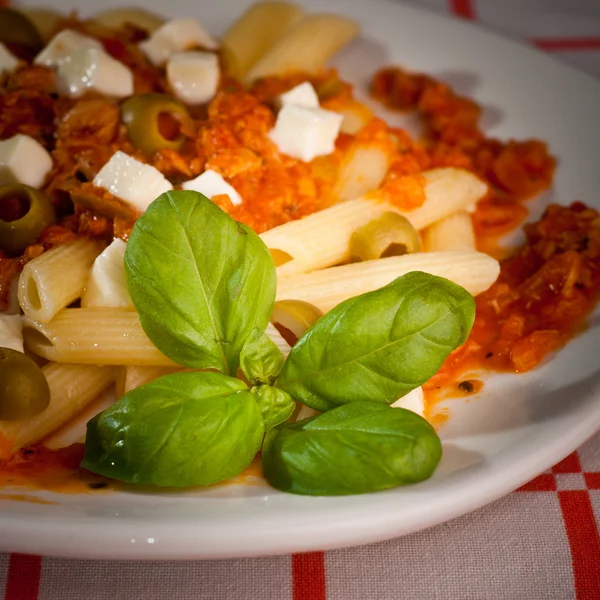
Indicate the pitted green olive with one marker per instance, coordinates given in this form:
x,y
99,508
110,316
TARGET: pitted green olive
x,y
18,31
24,391
24,213
153,122
390,234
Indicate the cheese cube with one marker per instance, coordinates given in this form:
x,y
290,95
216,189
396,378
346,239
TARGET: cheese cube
x,y
194,76
134,182
107,287
306,133
210,183
23,160
8,61
413,401
90,68
62,46
175,36
11,332
302,95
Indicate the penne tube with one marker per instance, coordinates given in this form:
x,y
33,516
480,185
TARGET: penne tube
x,y
307,47
72,388
356,116
325,289
118,17
256,32
96,336
130,378
55,279
452,233
74,431
362,170
278,339
323,238
303,412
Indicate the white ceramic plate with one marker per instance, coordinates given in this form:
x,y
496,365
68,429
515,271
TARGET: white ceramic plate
x,y
519,426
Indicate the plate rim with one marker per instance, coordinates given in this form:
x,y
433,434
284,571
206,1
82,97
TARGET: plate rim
x,y
39,535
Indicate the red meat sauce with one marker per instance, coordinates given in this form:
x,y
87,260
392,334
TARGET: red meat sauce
x,y
549,285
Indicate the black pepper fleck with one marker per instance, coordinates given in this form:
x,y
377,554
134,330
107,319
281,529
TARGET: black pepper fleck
x,y
97,485
466,386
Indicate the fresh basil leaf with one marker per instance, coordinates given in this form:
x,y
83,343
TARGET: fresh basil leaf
x,y
353,449
200,281
275,405
180,430
261,360
381,345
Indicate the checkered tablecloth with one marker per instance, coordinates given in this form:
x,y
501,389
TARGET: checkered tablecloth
x,y
541,542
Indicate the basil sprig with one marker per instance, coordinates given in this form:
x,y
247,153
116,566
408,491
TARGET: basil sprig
x,y
200,281
261,360
379,346
180,430
355,448
204,287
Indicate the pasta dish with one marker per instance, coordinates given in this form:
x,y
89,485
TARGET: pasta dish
x,y
264,271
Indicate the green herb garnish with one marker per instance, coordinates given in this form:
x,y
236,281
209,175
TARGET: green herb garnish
x,y
204,288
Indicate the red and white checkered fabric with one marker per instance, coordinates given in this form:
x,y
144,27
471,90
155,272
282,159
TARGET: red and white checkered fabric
x,y
539,543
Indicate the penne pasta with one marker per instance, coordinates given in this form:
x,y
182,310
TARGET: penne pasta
x,y
326,288
362,170
307,47
104,336
278,339
255,33
323,238
72,387
117,17
58,277
356,116
74,431
452,233
130,378
303,412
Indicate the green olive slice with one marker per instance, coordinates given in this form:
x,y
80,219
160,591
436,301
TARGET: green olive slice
x,y
24,213
153,122
390,234
24,391
18,32
295,315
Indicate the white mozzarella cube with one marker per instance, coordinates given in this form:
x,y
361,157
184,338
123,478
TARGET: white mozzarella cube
x,y
63,45
211,184
134,182
11,332
23,160
107,287
302,95
8,61
194,76
306,133
413,401
93,69
175,36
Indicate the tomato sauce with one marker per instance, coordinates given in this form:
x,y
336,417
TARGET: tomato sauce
x,y
515,170
37,468
547,287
